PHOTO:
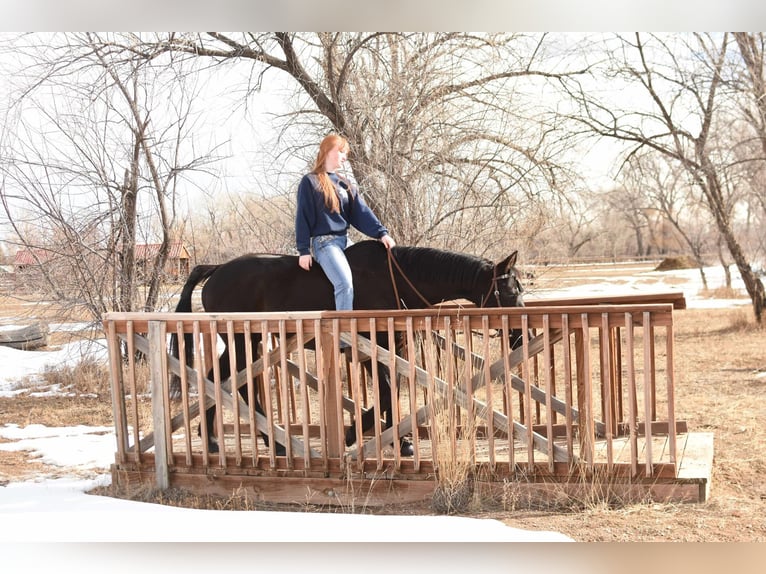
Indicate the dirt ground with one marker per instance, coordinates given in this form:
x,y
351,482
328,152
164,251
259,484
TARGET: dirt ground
x,y
720,358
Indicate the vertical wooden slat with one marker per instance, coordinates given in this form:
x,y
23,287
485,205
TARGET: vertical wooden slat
x,y
488,386
288,398
648,390
396,415
131,334
449,338
526,376
251,397
552,373
430,366
536,381
587,428
602,374
338,429
376,393
184,391
508,390
412,392
653,366
319,341
283,358
632,394
422,344
200,365
268,345
355,391
548,368
166,393
619,408
219,413
569,399
234,391
672,437
306,411
268,405
470,414
118,392
606,389
330,403
157,366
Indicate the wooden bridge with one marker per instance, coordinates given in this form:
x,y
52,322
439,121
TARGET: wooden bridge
x,y
587,399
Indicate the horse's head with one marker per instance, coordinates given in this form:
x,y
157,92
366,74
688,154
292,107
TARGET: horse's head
x,y
505,289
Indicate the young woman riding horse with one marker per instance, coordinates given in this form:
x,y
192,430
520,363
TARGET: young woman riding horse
x,y
328,204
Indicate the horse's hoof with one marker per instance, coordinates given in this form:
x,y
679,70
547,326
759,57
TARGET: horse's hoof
x,y
350,435
174,392
212,447
406,449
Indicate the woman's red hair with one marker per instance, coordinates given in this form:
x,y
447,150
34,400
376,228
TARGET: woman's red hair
x,y
329,143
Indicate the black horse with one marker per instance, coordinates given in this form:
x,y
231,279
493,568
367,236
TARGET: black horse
x,y
424,276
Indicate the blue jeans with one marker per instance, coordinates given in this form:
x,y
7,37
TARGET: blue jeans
x,y
328,252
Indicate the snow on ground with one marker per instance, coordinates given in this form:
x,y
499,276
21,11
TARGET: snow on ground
x,y
687,281
23,368
45,509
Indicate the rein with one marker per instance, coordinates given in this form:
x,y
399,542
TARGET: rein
x,y
393,262
392,259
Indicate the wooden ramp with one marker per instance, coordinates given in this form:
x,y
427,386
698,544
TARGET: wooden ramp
x,y
586,402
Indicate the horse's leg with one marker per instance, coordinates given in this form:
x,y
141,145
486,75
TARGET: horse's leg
x,y
212,440
225,373
241,365
385,402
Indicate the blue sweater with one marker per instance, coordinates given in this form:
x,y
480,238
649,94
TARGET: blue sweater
x,y
313,218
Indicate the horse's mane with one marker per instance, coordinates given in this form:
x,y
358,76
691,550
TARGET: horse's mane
x,y
427,263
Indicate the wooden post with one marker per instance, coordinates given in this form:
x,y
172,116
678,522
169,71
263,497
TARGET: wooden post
x,y
118,395
330,380
159,372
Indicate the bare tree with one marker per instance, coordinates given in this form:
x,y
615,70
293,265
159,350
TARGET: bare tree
x,y
679,111
449,141
750,80
92,158
662,186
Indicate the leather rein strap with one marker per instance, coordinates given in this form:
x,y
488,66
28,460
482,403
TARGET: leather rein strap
x,y
393,262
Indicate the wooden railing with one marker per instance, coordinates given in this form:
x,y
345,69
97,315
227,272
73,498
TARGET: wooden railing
x,y
590,389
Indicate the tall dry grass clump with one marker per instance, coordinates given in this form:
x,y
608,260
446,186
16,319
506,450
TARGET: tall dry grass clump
x,y
90,377
453,460
87,377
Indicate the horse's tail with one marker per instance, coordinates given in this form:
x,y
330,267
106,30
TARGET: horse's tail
x,y
199,273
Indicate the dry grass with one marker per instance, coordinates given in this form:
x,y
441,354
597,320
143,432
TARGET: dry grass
x,y
88,377
454,462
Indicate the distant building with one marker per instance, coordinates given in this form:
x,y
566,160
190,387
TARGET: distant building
x,y
176,267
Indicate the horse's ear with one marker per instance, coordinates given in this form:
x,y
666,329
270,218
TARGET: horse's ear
x,y
506,264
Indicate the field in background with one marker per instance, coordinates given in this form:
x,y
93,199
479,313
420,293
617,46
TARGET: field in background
x,y
720,365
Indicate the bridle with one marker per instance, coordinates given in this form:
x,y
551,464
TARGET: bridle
x,y
493,289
